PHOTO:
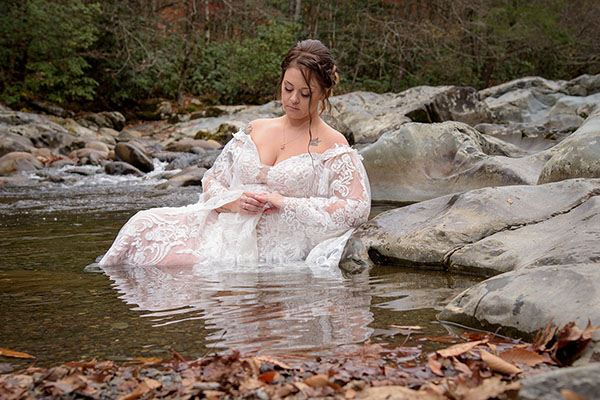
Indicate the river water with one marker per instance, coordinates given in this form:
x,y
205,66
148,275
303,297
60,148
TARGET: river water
x,y
55,309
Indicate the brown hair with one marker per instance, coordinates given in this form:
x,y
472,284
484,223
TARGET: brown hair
x,y
313,59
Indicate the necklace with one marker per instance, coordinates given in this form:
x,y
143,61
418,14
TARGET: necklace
x,y
284,142
313,142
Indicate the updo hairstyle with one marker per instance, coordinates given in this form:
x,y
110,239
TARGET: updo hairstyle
x,y
313,59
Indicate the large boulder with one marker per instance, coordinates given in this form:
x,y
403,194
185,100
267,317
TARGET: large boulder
x,y
576,156
18,162
524,301
424,161
134,155
485,231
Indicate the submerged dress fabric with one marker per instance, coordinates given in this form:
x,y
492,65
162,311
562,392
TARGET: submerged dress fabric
x,y
326,196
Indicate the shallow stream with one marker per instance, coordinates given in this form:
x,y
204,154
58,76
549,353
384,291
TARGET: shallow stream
x,y
52,308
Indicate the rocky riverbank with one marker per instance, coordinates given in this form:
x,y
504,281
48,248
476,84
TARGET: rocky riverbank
x,y
504,181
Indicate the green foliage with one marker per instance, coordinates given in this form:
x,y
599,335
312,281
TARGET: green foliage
x,y
244,71
42,44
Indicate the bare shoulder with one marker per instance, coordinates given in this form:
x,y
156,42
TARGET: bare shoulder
x,y
332,137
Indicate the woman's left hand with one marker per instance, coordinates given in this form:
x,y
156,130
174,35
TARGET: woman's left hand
x,y
272,201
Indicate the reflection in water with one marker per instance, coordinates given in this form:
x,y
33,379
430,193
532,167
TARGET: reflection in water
x,y
253,308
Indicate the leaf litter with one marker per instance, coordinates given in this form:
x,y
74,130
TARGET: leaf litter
x,y
483,366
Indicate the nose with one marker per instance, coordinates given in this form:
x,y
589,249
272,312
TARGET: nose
x,y
294,98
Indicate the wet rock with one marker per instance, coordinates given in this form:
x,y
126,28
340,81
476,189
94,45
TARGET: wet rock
x,y
121,168
109,132
484,231
191,176
548,385
576,156
18,162
133,155
424,161
524,301
12,142
205,160
89,156
126,136
99,146
189,145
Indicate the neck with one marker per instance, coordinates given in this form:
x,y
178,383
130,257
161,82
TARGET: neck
x,y
303,124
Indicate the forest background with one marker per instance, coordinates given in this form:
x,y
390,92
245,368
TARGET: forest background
x,y
98,55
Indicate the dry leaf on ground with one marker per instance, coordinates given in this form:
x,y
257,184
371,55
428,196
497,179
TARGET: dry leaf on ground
x,y
497,364
14,354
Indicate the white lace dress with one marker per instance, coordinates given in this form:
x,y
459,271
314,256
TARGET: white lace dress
x,y
326,196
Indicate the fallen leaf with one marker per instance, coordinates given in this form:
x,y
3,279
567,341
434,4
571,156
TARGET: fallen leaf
x,y
269,377
317,381
14,354
462,368
544,336
350,394
510,201
145,361
522,356
412,327
588,332
459,349
568,394
139,391
489,389
497,364
435,366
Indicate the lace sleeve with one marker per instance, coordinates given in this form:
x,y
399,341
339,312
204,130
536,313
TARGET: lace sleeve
x,y
218,179
346,206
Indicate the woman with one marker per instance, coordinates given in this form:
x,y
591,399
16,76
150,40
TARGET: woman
x,y
283,189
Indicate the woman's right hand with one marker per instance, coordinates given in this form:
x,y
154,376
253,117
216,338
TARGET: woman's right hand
x,y
248,203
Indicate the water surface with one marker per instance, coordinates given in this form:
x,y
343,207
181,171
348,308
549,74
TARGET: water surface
x,y
53,309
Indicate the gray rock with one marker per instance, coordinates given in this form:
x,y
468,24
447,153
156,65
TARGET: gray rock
x,y
576,156
529,137
121,168
521,105
460,104
187,145
584,380
444,232
18,162
541,85
424,161
191,176
567,236
583,85
205,160
524,301
116,118
133,155
11,142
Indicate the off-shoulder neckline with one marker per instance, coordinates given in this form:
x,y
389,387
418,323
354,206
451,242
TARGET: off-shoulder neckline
x,y
335,150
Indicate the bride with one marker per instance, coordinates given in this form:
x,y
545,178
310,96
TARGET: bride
x,y
282,190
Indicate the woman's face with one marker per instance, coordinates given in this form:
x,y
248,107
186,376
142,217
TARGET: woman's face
x,y
295,94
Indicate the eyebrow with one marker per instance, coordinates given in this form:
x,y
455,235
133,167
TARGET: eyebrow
x,y
290,83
